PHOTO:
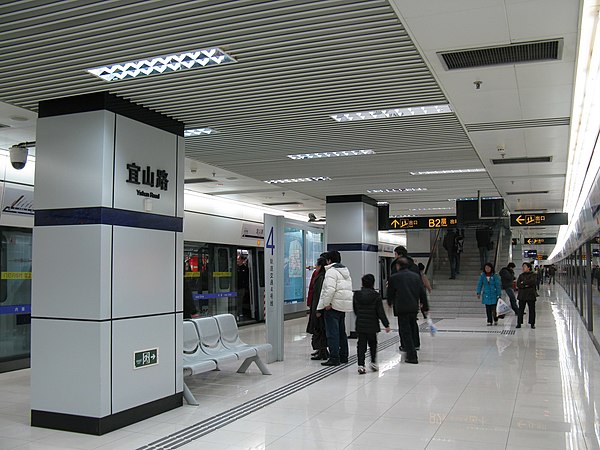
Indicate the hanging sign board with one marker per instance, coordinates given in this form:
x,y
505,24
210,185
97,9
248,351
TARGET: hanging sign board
x,y
537,220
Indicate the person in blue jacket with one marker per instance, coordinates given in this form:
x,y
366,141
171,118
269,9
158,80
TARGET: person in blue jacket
x,y
489,289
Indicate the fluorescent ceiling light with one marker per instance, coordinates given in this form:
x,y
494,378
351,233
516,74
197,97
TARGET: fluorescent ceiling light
x,y
191,132
297,180
392,190
394,112
431,209
448,171
382,203
332,154
163,64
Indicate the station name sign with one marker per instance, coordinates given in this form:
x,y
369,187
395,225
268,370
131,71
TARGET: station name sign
x,y
536,220
539,240
421,223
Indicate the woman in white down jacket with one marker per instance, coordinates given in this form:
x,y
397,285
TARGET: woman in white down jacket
x,y
335,301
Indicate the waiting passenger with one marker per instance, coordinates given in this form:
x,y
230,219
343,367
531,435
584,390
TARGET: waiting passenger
x,y
334,303
451,246
507,277
483,235
489,289
427,285
401,252
368,308
316,325
526,283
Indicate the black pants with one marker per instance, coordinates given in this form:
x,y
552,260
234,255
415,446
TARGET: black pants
x,y
361,347
531,313
415,333
490,310
407,328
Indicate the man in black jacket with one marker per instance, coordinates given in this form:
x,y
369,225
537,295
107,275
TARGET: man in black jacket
x,y
406,293
507,278
400,252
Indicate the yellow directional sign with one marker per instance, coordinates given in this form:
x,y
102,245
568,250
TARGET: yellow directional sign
x,y
421,223
534,220
540,240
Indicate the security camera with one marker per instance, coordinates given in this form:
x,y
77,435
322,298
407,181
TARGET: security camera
x,y
18,156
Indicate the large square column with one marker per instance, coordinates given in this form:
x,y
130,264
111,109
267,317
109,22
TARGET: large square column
x,y
106,340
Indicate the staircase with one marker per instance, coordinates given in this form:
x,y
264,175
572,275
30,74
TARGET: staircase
x,y
457,298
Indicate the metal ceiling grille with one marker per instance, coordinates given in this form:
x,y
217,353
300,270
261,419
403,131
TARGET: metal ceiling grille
x,y
298,62
526,192
531,123
199,180
507,54
522,160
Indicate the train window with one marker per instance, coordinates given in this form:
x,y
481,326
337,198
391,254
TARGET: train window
x,y
223,270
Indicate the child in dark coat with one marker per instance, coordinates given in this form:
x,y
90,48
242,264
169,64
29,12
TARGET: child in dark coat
x,y
369,311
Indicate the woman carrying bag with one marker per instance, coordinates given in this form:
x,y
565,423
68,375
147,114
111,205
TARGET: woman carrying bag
x,y
489,285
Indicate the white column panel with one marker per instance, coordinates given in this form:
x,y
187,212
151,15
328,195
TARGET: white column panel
x,y
143,271
179,352
134,387
77,167
70,361
75,282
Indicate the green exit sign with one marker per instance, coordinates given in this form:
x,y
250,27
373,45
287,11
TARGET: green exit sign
x,y
145,358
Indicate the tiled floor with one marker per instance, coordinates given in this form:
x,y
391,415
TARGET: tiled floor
x,y
474,388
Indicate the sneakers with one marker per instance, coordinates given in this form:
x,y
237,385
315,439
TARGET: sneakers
x,y
374,367
412,361
361,370
533,326
489,324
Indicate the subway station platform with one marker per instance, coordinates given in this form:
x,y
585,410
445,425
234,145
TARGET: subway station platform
x,y
476,387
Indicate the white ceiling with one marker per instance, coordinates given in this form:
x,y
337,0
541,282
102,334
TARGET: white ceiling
x,y
300,61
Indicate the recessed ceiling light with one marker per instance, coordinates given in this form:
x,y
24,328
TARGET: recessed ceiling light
x,y
332,154
19,118
297,180
163,64
393,112
382,203
448,171
191,132
392,190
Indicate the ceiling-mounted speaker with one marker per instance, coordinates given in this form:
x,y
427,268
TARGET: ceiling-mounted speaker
x,y
383,214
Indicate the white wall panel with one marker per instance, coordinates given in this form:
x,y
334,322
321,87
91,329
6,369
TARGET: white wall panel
x,y
369,230
145,146
77,166
347,221
179,272
70,361
222,230
143,271
134,387
68,287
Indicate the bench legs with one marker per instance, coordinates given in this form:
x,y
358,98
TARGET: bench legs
x,y
259,363
189,397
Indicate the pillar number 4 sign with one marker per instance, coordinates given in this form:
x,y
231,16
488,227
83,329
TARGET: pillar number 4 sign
x,y
145,358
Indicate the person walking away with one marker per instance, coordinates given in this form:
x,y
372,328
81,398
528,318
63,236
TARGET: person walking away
x,y
489,289
335,301
449,245
405,293
551,274
526,283
537,277
316,325
427,285
483,235
507,278
368,307
460,244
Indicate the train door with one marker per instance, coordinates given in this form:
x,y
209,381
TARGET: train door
x,y
224,279
384,274
259,303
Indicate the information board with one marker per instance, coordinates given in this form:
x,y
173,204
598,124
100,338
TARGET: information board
x,y
537,219
422,223
539,240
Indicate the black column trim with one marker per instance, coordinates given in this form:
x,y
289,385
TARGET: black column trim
x,y
102,425
358,198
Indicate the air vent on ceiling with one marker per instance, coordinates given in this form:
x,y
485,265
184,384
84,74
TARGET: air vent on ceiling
x,y
505,54
282,203
531,211
199,180
526,192
522,160
3,126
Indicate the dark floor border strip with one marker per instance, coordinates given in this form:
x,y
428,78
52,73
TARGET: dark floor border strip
x,y
193,432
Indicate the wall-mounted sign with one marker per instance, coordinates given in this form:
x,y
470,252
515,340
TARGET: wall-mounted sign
x,y
422,223
595,252
529,253
158,179
145,358
541,257
595,240
539,240
17,199
253,230
536,220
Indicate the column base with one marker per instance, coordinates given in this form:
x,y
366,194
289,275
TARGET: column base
x,y
103,425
